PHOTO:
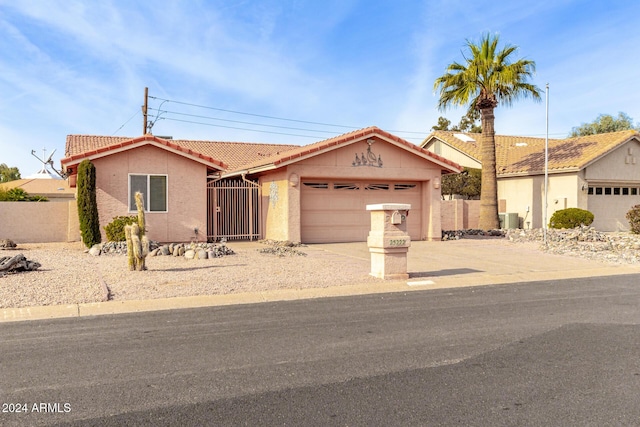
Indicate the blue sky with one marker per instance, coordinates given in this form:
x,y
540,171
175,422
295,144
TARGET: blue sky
x,y
80,67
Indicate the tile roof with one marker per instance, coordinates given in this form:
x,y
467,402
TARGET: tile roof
x,y
230,154
525,155
298,153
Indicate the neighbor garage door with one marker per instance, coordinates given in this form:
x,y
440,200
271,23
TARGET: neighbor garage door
x,y
335,211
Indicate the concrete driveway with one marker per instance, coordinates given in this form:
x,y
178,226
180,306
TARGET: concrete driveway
x,y
482,261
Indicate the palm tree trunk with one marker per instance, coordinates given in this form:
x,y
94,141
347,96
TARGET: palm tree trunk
x,y
489,191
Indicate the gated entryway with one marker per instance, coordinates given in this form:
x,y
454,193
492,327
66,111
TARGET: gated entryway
x,y
233,210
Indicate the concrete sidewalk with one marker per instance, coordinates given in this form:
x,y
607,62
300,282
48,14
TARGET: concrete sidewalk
x,y
431,265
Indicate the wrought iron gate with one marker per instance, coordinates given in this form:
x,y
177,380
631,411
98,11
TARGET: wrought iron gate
x,y
233,210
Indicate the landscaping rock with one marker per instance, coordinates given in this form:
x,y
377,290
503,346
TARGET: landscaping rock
x,y
95,250
281,248
471,233
190,254
198,250
17,263
585,242
7,244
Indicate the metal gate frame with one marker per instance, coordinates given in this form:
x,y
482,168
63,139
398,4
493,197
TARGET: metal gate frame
x,y
233,207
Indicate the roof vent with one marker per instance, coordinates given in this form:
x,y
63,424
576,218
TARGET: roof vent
x,y
463,137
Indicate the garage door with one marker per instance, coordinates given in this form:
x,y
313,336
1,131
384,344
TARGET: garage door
x,y
335,211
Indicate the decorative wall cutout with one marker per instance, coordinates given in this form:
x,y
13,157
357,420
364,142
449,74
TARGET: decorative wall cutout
x,y
273,193
368,159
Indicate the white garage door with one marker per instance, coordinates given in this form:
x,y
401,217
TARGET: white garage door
x,y
335,211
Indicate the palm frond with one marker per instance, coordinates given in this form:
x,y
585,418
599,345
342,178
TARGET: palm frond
x,y
487,73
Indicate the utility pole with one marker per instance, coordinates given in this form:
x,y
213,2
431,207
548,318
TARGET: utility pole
x,y
144,110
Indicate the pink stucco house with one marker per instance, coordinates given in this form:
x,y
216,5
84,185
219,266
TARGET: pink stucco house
x,y
197,190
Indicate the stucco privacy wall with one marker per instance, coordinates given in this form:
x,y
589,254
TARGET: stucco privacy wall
x,y
39,222
459,214
186,199
282,218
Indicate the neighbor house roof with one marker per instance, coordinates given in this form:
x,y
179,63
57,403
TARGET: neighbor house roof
x,y
299,153
41,187
516,155
222,154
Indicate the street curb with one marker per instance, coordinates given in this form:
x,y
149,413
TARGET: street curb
x,y
422,284
136,306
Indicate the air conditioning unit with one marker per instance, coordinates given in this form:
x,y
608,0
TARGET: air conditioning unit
x,y
509,220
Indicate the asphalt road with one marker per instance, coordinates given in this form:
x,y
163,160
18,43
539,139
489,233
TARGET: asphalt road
x,y
550,353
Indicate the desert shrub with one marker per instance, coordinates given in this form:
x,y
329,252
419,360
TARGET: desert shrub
x,y
115,229
570,218
87,204
634,219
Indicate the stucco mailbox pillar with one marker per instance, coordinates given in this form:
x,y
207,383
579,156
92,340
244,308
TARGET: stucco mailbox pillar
x,y
388,240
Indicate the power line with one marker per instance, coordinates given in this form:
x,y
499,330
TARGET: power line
x,y
124,124
238,121
277,118
245,129
317,137
422,134
252,114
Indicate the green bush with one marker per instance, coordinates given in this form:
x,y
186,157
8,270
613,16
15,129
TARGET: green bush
x,y
87,204
19,195
634,219
115,229
570,218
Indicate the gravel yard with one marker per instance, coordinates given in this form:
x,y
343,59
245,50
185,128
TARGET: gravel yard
x,y
69,275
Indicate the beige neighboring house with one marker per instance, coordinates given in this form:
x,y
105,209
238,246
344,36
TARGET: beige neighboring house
x,y
43,184
314,193
35,222
599,173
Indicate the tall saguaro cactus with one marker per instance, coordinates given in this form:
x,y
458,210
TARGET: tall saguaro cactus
x,y
137,242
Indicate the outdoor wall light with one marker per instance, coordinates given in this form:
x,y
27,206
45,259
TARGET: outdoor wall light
x,y
436,183
294,180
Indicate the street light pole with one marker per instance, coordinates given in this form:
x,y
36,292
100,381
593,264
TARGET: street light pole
x,y
546,168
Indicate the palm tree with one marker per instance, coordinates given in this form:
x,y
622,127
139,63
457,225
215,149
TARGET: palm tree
x,y
487,79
